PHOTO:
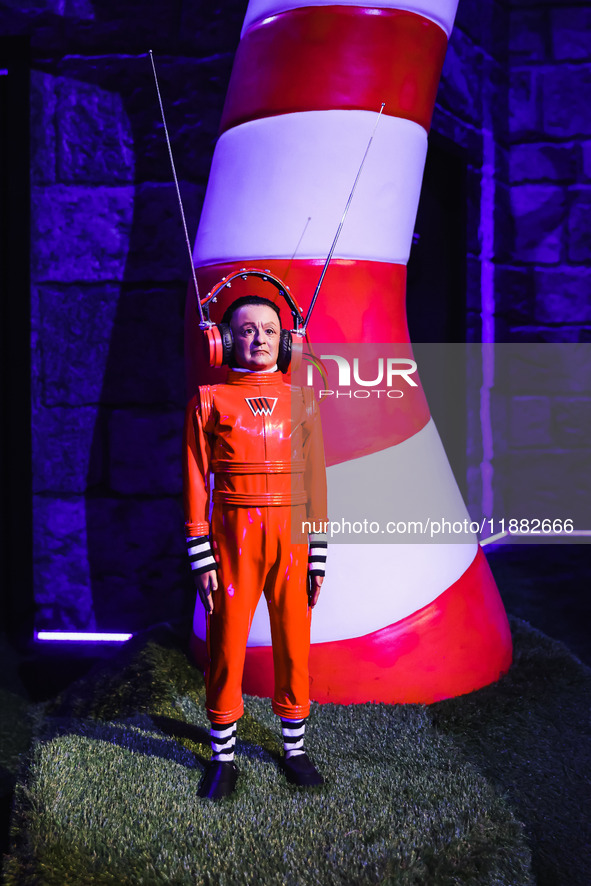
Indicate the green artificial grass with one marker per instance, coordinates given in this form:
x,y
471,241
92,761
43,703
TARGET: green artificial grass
x,y
454,793
17,722
530,735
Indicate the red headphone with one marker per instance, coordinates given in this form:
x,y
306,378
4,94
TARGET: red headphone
x,y
219,341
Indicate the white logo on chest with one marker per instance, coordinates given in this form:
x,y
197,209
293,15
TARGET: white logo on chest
x,y
261,405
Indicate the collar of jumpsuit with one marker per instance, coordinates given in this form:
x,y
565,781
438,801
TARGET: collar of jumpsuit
x,y
254,377
256,371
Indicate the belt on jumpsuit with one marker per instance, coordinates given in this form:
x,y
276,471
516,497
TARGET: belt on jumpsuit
x,y
258,499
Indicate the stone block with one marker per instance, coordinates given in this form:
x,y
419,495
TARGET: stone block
x,y
562,296
473,284
495,99
37,8
145,452
571,420
524,105
57,7
157,248
473,326
94,345
35,349
62,585
566,105
528,35
586,151
571,32
486,24
80,233
204,26
461,79
94,137
67,449
529,422
138,561
548,485
473,210
446,123
76,324
499,412
473,499
108,564
127,27
503,331
146,360
43,140
539,213
162,592
193,92
543,369
514,293
579,230
545,334
544,162
502,158
495,30
473,444
504,227
80,9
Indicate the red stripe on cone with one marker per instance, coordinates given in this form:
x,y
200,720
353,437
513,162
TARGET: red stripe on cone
x,y
345,57
459,642
385,422
360,301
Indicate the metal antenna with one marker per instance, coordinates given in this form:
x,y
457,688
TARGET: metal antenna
x,y
340,227
203,322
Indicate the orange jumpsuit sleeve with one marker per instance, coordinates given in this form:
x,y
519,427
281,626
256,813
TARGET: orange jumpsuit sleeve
x,y
315,469
196,462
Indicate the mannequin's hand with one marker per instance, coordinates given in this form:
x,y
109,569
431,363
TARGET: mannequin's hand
x,y
206,583
314,585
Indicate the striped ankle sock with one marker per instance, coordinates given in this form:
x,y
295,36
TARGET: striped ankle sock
x,y
223,739
293,737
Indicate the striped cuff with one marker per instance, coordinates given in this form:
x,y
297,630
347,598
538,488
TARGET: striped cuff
x,y
293,737
200,554
223,740
317,553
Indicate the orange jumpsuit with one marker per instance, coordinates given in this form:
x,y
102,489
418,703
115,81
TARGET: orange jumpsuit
x,y
262,441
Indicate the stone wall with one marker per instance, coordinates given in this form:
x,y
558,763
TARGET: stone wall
x,y
544,285
514,96
110,270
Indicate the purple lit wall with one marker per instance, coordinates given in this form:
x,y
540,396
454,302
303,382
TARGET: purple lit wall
x,y
543,285
109,284
110,270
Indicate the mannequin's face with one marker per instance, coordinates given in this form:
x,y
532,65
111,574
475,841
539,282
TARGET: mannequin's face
x,y
256,331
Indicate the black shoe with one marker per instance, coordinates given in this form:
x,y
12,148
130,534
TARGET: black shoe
x,y
219,780
300,770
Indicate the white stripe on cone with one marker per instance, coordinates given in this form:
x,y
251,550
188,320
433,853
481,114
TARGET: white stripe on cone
x,y
269,176
369,586
442,12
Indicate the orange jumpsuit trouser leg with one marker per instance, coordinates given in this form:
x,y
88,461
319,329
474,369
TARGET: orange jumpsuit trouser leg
x,y
255,553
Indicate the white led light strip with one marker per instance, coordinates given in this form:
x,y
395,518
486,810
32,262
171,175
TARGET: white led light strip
x,y
82,636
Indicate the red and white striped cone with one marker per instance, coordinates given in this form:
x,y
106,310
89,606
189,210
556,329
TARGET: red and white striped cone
x,y
395,622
